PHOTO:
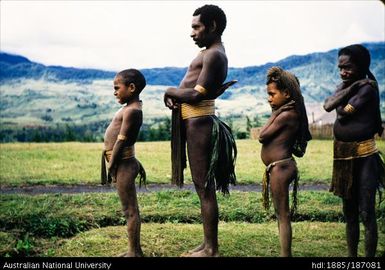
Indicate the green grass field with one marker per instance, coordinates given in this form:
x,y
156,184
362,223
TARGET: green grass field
x,y
79,163
237,239
92,224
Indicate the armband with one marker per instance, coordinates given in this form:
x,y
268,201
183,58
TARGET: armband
x,y
349,109
122,137
200,89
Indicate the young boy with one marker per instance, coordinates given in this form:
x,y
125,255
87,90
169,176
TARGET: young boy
x,y
119,152
285,133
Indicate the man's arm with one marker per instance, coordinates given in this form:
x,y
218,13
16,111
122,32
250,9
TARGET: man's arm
x,y
335,100
341,95
129,122
364,95
206,84
185,95
355,103
213,74
171,104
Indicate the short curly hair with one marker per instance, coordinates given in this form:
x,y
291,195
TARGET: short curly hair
x,y
211,13
133,76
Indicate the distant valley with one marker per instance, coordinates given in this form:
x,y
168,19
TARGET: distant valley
x,y
33,94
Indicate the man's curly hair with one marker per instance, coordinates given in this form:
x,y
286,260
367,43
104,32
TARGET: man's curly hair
x,y
211,13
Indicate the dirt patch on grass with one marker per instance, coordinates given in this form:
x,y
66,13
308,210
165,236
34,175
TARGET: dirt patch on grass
x,y
39,189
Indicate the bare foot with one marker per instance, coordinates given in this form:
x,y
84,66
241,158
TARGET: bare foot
x,y
198,248
201,253
131,254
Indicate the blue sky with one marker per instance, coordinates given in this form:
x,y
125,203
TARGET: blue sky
x,y
115,35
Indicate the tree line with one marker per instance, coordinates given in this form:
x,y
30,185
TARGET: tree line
x,y
158,129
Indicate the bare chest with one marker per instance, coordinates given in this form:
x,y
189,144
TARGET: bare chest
x,y
118,117
115,125
193,72
197,63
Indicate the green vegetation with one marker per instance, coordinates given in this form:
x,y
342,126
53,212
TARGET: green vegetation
x,y
65,215
80,224
68,132
236,239
91,224
154,129
79,163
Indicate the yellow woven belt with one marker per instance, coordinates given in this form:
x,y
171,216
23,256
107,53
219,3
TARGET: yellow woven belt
x,y
202,108
128,152
351,150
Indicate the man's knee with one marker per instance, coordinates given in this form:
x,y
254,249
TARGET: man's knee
x,y
351,217
199,186
202,185
129,211
283,216
367,216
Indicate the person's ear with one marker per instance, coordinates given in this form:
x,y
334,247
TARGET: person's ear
x,y
286,94
131,87
213,27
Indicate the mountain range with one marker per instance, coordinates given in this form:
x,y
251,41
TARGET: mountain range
x,y
36,94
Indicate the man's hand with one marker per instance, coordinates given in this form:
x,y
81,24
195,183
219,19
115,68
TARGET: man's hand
x,y
112,170
169,102
225,86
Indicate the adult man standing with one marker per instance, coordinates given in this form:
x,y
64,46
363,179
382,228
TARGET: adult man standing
x,y
210,144
357,167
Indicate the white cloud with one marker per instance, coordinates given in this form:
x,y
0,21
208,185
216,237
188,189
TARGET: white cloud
x,y
355,33
118,34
